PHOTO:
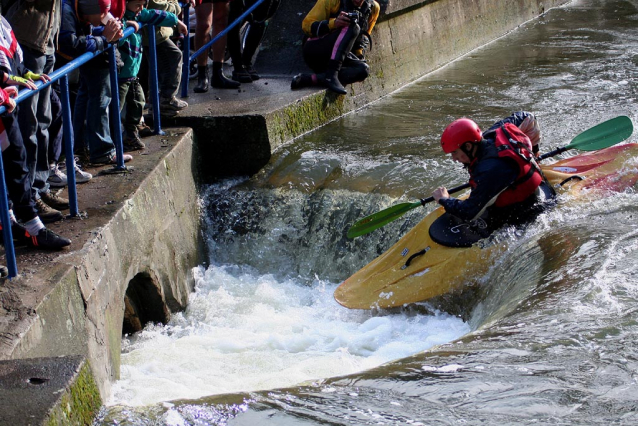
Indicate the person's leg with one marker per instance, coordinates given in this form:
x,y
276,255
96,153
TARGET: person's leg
x,y
220,22
57,178
169,72
134,108
237,7
341,48
80,146
253,40
169,68
353,70
44,121
316,54
28,116
14,159
98,134
204,16
55,129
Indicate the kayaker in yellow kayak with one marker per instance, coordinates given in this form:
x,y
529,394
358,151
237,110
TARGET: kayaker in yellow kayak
x,y
507,184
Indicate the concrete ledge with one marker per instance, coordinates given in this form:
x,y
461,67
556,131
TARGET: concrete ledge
x,y
141,223
48,391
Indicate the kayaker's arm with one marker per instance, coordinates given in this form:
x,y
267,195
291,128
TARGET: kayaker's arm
x,y
491,177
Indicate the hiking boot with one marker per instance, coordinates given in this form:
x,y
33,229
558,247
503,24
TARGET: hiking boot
x,y
47,239
173,104
52,199
132,143
144,131
56,179
240,74
46,213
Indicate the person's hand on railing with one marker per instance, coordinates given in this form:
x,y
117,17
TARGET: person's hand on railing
x,y
112,31
33,77
15,80
133,24
181,28
9,103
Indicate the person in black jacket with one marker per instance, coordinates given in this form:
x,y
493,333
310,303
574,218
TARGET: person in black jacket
x,y
337,35
82,31
506,182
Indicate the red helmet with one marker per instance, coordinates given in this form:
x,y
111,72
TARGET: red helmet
x,y
458,132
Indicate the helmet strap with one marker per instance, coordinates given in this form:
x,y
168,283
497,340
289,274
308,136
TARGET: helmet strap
x,y
471,152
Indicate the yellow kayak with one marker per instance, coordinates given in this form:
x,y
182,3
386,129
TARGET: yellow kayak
x,y
417,268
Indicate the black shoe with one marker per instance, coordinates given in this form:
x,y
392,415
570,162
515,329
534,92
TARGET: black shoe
x,y
19,233
331,82
47,239
202,80
253,73
4,272
300,81
219,81
242,76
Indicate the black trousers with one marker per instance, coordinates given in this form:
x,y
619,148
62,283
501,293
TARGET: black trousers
x,y
14,159
318,51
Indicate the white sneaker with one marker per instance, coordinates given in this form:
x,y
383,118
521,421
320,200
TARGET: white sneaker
x,y
81,176
57,178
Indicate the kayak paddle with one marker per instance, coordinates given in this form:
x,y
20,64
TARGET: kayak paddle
x,y
603,135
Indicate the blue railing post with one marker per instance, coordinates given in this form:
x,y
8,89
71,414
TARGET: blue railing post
x,y
154,89
7,235
67,132
116,120
186,54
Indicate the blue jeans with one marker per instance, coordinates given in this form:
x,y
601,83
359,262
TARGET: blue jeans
x,y
92,107
35,118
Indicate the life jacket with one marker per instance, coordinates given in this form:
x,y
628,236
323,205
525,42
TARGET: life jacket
x,y
512,144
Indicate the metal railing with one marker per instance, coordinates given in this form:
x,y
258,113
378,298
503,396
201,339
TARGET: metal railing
x,y
61,74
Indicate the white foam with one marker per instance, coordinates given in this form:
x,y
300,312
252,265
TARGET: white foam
x,y
244,332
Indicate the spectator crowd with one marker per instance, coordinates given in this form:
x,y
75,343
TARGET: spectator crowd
x,y
40,36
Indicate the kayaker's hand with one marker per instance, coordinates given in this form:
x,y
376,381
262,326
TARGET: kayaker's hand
x,y
440,192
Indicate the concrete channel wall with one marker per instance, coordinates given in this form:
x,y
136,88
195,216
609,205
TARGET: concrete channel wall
x,y
411,39
136,264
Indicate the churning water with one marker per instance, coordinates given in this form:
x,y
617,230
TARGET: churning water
x,y
550,330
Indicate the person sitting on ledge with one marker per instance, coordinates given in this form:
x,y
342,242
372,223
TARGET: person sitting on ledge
x,y
337,35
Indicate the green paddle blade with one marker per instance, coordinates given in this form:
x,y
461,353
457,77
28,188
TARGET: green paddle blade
x,y
603,135
379,219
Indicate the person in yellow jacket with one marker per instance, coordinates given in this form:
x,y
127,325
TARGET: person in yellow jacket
x,y
337,35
